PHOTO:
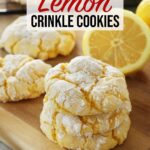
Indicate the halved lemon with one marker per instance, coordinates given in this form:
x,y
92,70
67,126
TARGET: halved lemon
x,y
143,11
127,50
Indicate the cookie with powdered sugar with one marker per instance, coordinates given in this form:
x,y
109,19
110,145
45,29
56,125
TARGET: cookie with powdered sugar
x,y
17,39
21,77
86,105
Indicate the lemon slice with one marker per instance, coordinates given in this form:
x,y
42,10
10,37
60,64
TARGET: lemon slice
x,y
127,50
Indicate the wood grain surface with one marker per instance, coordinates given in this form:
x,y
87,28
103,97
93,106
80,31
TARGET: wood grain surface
x,y
19,122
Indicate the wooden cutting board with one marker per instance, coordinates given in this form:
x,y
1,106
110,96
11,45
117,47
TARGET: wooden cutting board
x,y
19,122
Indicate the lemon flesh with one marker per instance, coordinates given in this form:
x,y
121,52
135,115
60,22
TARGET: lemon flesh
x,y
127,50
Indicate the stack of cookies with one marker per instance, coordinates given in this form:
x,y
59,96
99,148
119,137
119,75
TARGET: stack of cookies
x,y
86,105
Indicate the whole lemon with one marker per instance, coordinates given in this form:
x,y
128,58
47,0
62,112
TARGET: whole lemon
x,y
143,11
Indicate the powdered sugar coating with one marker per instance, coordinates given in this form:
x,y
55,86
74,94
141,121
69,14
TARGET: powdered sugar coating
x,y
86,86
81,126
86,106
17,39
21,77
100,132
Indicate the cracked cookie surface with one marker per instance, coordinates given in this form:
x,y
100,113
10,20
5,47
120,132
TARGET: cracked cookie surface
x,y
16,39
21,77
64,128
86,86
86,105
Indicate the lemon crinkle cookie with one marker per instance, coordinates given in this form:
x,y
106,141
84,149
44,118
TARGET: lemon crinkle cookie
x,y
86,105
16,39
21,77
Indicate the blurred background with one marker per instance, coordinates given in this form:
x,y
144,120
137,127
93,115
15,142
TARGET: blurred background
x,y
131,3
